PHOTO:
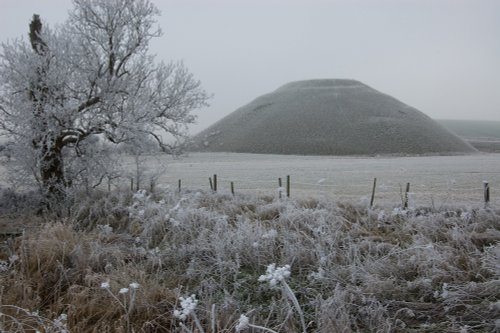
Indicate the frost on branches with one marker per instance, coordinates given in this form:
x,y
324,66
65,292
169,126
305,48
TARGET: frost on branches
x,y
73,94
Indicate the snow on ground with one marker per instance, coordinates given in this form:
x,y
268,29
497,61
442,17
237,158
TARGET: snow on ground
x,y
435,180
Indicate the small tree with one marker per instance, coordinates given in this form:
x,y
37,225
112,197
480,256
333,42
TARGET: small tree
x,y
91,81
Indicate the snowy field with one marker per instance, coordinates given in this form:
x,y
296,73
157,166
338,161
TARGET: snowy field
x,y
435,180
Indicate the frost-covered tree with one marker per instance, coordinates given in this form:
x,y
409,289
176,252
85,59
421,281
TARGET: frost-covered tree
x,y
71,89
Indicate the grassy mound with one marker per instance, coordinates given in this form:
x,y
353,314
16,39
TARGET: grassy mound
x,y
328,117
121,262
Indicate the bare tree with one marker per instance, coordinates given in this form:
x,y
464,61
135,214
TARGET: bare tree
x,y
89,81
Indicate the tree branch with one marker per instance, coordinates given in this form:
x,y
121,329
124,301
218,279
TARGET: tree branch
x,y
88,103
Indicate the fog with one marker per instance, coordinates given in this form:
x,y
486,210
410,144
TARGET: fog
x,y
440,56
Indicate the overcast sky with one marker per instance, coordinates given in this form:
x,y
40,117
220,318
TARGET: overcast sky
x,y
440,56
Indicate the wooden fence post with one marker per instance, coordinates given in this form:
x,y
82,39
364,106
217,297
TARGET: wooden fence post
x,y
486,193
232,188
179,185
280,186
288,186
373,192
211,184
215,183
406,195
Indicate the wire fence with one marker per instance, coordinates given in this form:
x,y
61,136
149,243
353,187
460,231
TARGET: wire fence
x,y
434,181
361,190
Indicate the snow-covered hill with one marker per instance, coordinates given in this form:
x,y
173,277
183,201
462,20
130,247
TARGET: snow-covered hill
x,y
328,117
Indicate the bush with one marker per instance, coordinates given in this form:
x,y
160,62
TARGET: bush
x,y
12,202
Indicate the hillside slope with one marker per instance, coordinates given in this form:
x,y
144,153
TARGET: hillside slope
x,y
473,129
481,134
328,117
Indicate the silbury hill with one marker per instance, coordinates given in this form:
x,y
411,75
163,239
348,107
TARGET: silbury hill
x,y
328,117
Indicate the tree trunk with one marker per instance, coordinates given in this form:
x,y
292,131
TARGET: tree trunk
x,y
48,145
51,167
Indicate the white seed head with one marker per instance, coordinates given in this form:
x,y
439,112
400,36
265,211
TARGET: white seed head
x,y
242,323
188,305
275,275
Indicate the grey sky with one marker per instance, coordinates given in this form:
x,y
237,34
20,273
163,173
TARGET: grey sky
x,y
440,56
